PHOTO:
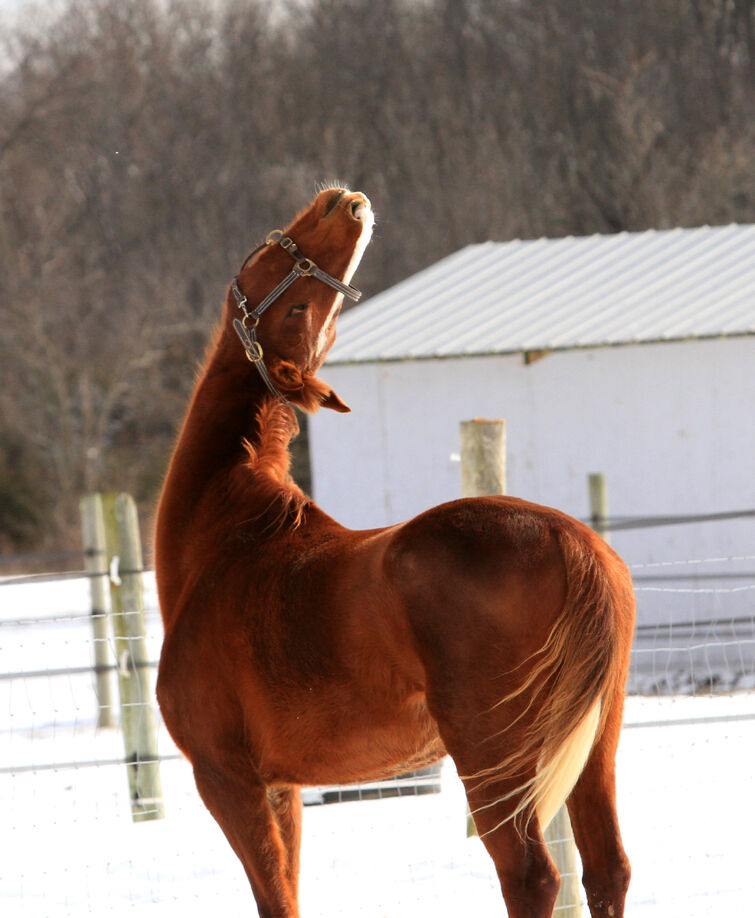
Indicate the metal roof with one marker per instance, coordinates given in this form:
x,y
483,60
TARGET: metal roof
x,y
557,294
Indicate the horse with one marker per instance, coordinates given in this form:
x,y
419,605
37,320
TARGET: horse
x,y
300,652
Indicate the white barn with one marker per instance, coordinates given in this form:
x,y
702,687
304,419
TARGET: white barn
x,y
631,354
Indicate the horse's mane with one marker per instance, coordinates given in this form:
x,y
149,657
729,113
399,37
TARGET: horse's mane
x,y
269,462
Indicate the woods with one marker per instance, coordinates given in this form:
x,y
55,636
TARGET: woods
x,y
146,146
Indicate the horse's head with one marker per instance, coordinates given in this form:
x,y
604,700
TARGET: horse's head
x,y
297,330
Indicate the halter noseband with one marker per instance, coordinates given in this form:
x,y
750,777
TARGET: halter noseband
x,y
246,328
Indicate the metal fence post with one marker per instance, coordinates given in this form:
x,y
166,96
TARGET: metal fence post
x,y
95,562
127,611
596,483
560,840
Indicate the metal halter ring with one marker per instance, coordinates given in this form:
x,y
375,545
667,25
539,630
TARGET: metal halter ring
x,y
250,315
253,351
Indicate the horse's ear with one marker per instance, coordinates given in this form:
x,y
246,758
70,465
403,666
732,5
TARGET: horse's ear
x,y
308,392
334,402
286,377
318,394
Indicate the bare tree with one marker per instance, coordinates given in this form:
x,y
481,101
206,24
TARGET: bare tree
x,y
146,146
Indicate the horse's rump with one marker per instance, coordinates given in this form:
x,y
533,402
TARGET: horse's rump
x,y
533,645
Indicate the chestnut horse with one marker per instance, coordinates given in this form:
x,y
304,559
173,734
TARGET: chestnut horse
x,y
300,652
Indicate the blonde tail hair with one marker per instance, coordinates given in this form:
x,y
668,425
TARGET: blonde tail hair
x,y
573,682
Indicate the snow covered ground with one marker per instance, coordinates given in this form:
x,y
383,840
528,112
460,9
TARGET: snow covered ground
x,y
686,771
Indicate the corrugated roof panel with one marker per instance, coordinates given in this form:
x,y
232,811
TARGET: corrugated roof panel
x,y
562,293
612,288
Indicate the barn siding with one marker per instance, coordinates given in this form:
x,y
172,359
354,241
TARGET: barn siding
x,y
669,424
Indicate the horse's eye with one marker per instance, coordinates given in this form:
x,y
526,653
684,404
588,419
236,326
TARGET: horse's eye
x,y
297,310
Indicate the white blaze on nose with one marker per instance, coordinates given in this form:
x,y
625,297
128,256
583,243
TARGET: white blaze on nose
x,y
366,217
322,338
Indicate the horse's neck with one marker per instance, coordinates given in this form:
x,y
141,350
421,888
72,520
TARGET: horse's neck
x,y
222,413
231,460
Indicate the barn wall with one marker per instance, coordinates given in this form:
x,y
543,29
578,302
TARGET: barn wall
x,y
669,424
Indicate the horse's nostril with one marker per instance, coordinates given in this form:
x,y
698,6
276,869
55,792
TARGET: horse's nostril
x,y
359,208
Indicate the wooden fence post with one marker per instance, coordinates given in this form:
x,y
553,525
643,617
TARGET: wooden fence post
x,y
127,611
599,504
483,471
483,457
95,562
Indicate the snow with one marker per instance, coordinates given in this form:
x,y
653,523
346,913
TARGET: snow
x,y
686,777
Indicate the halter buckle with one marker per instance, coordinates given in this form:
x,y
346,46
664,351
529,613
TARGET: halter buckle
x,y
305,267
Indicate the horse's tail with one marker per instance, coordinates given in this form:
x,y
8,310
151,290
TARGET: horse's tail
x,y
577,676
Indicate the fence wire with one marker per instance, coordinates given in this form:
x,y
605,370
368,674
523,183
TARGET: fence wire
x,y
67,794
713,653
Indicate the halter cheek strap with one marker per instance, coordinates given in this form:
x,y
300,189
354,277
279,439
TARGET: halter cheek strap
x,y
246,328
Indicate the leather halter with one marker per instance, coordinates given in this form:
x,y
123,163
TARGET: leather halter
x,y
246,328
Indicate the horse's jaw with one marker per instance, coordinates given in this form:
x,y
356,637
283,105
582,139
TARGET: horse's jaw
x,y
360,209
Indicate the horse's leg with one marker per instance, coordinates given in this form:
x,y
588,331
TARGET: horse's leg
x,y
287,807
592,808
238,799
528,877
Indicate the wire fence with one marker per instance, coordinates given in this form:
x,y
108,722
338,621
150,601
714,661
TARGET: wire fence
x,y
681,655
694,647
696,625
